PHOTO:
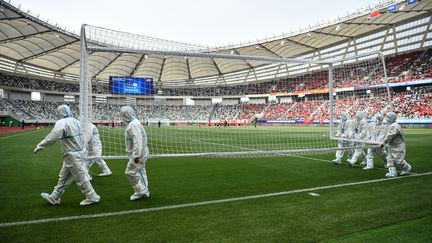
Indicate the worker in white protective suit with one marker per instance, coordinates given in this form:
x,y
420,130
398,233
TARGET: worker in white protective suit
x,y
360,133
343,131
376,133
350,125
371,125
138,152
94,149
396,147
68,131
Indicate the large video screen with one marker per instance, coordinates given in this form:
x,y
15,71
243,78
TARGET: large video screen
x,y
130,85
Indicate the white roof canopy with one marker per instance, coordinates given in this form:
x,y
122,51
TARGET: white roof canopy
x,y
26,42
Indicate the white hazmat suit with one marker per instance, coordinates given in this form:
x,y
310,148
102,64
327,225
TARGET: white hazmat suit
x,y
68,131
138,152
360,133
343,131
396,147
376,133
94,149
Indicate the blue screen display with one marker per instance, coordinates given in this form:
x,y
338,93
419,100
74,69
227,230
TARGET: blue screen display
x,y
130,85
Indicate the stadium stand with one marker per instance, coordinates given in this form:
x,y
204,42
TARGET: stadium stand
x,y
416,103
36,84
411,66
413,103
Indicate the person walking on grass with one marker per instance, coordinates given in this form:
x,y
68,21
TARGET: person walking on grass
x,y
67,129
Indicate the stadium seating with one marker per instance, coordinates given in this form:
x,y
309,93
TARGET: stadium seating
x,y
411,66
36,84
414,103
249,110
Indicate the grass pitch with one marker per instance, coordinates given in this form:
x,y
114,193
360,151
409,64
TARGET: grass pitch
x,y
384,211
203,139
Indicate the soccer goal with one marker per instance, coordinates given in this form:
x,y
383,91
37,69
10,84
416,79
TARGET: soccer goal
x,y
197,101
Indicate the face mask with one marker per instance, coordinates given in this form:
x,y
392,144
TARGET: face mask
x,y
127,114
124,119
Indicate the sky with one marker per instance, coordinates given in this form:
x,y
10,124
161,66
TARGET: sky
x,y
206,22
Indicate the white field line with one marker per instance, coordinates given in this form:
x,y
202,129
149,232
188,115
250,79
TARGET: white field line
x,y
202,203
20,134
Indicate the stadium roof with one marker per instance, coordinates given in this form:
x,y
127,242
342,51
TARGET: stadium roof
x,y
31,46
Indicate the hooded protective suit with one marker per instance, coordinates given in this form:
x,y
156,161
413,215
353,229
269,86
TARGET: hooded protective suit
x,y
376,133
396,147
372,129
68,131
94,149
137,150
343,131
360,133
360,126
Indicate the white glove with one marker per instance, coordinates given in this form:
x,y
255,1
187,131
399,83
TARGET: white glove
x,y
37,149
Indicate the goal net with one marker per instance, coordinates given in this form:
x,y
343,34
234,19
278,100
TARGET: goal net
x,y
194,101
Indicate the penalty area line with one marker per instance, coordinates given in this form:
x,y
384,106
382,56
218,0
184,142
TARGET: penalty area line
x,y
202,203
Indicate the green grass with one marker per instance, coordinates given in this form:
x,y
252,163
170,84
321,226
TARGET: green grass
x,y
387,211
194,139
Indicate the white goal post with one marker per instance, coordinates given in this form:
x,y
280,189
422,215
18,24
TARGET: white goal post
x,y
295,115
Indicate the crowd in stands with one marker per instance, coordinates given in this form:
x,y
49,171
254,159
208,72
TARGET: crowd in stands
x,y
410,66
16,81
414,103
110,112
176,112
33,110
277,112
225,111
400,65
253,88
36,84
422,67
250,110
205,91
59,87
7,105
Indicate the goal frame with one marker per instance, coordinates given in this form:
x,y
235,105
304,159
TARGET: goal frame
x,y
86,86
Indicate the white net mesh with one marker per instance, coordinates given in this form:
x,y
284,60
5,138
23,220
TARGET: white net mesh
x,y
223,104
360,85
